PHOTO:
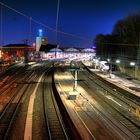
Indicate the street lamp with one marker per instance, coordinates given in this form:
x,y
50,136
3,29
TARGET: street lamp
x,y
118,61
109,60
133,64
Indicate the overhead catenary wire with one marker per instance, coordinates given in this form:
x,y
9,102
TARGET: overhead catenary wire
x,y
52,29
14,10
73,35
44,25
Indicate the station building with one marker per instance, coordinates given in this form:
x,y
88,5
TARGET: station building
x,y
13,52
50,51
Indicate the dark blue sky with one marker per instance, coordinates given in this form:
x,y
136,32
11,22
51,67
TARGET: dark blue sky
x,y
81,17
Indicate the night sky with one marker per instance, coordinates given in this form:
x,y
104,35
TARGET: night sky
x,y
84,18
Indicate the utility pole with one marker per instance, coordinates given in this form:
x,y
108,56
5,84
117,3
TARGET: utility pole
x,y
30,31
75,81
1,24
57,17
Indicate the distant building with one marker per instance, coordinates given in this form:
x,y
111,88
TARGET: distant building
x,y
51,51
41,41
46,48
16,50
44,41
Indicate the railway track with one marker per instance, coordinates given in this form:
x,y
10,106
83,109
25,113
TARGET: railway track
x,y
123,116
9,112
53,119
135,100
11,92
118,114
9,78
86,114
54,124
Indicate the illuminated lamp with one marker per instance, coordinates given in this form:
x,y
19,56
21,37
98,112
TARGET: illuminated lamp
x,y
40,31
117,61
93,47
34,44
132,63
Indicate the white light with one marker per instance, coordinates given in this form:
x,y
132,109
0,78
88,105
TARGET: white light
x,y
40,32
118,61
132,63
108,60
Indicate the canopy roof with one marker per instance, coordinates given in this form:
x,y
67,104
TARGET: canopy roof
x,y
88,50
71,50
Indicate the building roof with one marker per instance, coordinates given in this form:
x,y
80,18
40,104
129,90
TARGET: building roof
x,y
47,48
71,50
55,50
87,50
17,45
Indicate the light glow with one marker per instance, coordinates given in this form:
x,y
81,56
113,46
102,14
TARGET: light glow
x,y
117,61
40,31
132,63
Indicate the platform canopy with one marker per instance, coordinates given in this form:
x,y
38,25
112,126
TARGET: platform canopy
x,y
88,50
71,50
55,50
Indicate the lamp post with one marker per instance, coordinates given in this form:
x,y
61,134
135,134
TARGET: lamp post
x,y
110,71
133,64
118,63
57,17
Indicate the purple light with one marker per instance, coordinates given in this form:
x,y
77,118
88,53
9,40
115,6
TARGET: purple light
x,y
93,47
